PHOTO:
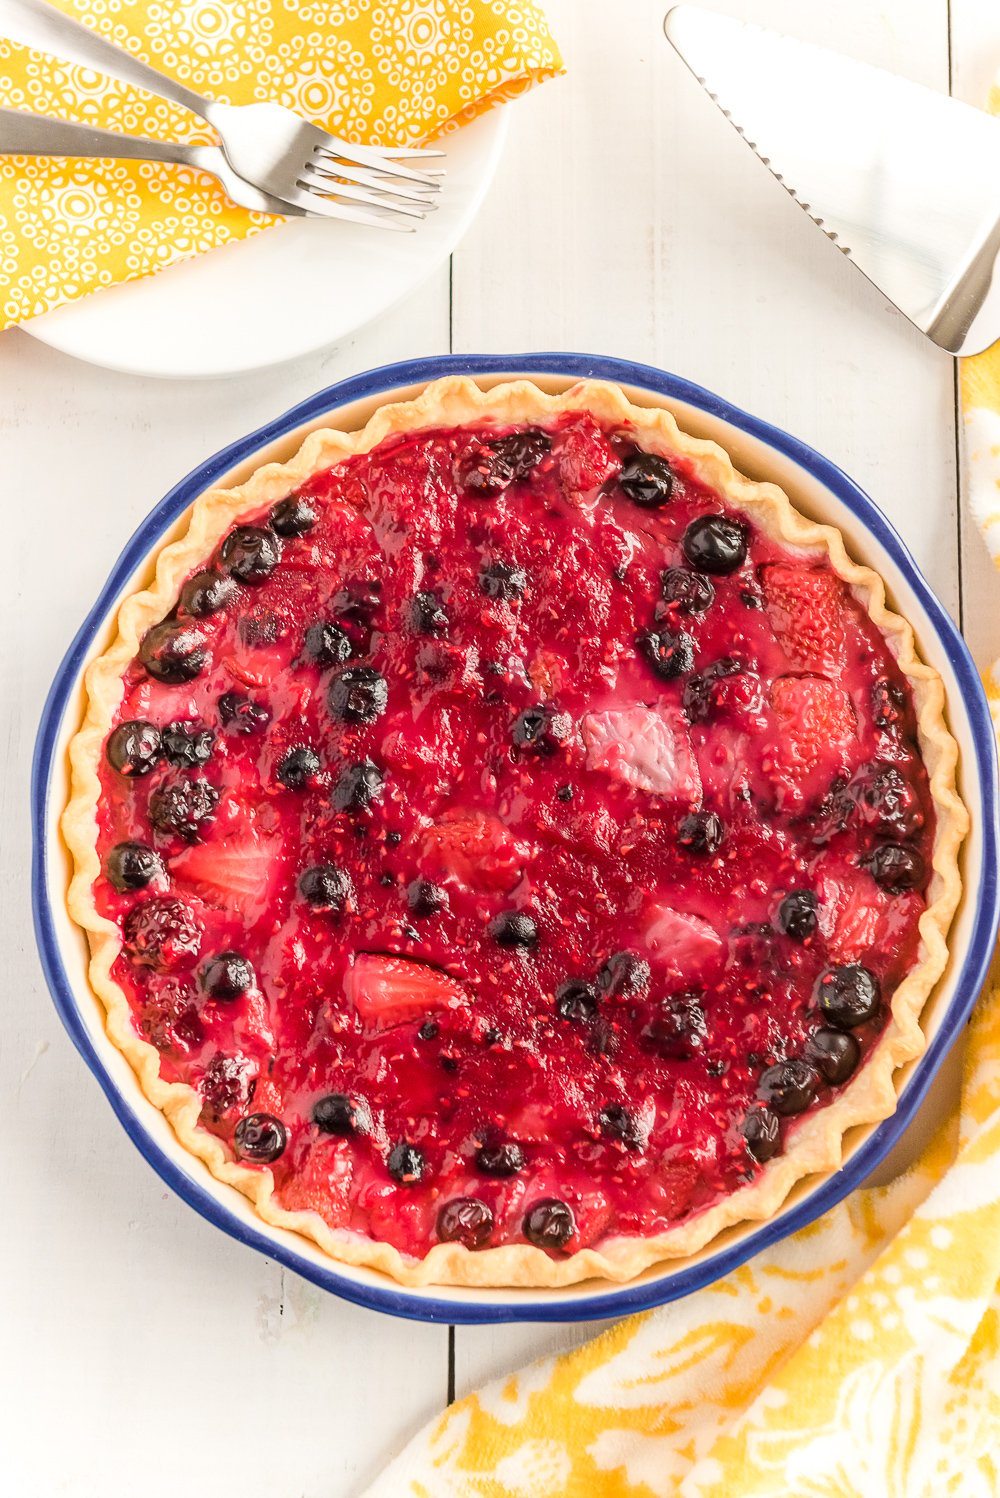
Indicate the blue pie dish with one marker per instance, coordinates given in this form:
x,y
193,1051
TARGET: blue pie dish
x,y
818,489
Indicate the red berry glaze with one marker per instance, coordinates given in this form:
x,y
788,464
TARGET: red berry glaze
x,y
511,883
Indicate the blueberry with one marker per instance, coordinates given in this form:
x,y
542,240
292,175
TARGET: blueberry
x,y
549,1224
576,1000
242,715
173,652
713,543
522,451
183,807
603,1037
485,471
425,898
130,866
358,694
328,645
647,480
725,685
797,916
298,768
161,933
500,1159
564,793
357,786
752,946
619,1125
512,928
406,1164
357,602
339,1114
670,654
885,799
541,728
834,1053
896,868
228,976
293,516
502,580
207,593
848,996
701,832
465,1220
250,554
429,1030
259,1137
623,973
677,1027
325,887
690,591
134,748
187,745
888,702
762,1132
427,615
788,1087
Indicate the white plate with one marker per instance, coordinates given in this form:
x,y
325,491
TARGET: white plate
x,y
301,286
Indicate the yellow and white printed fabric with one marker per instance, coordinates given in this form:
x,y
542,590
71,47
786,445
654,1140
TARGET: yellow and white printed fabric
x,y
390,73
859,1358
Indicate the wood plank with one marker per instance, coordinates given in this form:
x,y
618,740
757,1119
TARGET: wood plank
x,y
975,66
172,1356
628,219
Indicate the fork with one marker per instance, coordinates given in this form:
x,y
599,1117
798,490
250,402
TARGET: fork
x,y
270,147
25,134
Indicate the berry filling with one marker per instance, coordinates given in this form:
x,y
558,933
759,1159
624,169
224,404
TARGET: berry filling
x,y
509,842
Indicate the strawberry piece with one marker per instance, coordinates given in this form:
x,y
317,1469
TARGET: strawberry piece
x,y
476,848
856,916
387,991
231,874
674,1187
585,457
806,608
322,1183
686,943
816,726
648,748
267,1097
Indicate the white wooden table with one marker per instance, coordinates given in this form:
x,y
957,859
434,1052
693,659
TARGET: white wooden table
x,y
143,1352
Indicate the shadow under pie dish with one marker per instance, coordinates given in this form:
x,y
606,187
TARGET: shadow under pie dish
x,y
526,844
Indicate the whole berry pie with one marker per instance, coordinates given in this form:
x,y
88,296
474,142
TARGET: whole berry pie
x,y
514,846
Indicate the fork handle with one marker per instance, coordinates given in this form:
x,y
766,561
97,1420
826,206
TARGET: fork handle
x,y
32,23
26,134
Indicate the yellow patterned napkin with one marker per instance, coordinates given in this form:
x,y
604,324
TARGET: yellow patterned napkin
x,y
859,1358
384,73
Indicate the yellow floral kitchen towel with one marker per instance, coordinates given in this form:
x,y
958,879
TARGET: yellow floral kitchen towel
x,y
384,73
859,1358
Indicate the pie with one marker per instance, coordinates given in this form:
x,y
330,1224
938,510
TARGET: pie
x,y
514,847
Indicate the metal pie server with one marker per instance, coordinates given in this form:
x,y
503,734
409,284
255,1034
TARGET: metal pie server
x,y
905,181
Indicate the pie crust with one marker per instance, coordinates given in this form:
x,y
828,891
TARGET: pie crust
x,y
817,1143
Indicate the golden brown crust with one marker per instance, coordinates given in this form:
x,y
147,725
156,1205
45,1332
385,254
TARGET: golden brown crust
x,y
817,1143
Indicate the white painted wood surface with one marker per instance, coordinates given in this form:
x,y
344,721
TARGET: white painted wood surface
x,y
142,1351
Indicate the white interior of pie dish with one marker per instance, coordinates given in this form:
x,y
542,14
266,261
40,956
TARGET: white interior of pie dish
x,y
820,491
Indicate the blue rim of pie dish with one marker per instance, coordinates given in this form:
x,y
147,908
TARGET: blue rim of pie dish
x,y
607,1301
